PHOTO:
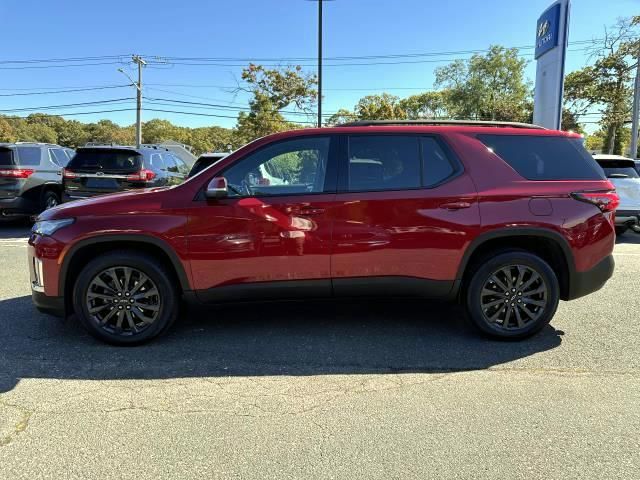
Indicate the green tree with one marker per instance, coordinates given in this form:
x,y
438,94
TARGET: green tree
x,y
157,131
380,107
605,87
486,87
7,133
273,90
426,105
341,116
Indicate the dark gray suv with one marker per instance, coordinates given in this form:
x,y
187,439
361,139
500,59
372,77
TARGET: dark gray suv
x,y
30,177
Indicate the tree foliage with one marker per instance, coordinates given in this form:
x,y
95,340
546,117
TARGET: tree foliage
x,y
273,90
486,87
605,86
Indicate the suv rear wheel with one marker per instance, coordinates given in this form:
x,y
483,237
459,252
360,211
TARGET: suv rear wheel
x,y
50,199
513,294
125,298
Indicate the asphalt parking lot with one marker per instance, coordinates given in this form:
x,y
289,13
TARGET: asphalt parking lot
x,y
323,390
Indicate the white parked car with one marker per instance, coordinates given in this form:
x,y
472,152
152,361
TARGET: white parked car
x,y
621,171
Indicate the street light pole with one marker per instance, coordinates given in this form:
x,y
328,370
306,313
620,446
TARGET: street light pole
x,y
636,111
319,63
137,59
140,62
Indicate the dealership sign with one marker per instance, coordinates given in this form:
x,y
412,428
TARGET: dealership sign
x,y
547,30
552,33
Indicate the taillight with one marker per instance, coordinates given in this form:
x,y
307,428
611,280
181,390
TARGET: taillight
x,y
143,175
605,201
16,173
68,173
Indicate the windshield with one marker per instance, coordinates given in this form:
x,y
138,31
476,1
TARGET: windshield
x,y
118,160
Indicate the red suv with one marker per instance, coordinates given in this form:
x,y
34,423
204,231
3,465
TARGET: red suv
x,y
506,218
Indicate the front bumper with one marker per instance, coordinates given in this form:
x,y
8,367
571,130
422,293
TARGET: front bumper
x,y
42,276
49,305
584,283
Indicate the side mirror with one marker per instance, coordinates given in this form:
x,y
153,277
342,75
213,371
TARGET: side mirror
x,y
217,188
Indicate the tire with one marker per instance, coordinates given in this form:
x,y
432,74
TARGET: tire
x,y
488,311
50,199
152,314
621,230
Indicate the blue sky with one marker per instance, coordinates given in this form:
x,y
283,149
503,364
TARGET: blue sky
x,y
256,29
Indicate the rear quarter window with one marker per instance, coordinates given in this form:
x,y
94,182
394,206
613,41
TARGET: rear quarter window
x,y
545,157
6,157
29,156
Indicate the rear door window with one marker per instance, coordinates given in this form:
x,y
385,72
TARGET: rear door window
x,y
182,167
619,168
170,162
155,162
383,162
6,157
104,159
29,156
544,157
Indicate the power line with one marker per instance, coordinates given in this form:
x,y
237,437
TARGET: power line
x,y
64,66
72,113
223,61
72,90
358,57
68,105
223,116
402,62
221,106
55,60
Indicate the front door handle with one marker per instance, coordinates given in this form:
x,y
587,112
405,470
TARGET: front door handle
x,y
455,205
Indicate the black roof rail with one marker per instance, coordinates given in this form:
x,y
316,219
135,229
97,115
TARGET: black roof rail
x,y
469,123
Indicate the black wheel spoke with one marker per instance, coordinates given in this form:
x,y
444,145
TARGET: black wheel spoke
x,y
123,301
513,297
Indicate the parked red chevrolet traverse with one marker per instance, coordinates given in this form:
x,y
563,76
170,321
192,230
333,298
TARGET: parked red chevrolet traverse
x,y
506,218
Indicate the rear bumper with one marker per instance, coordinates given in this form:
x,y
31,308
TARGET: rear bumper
x,y
584,283
627,217
17,206
49,305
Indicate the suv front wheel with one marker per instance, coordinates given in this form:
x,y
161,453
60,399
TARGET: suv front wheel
x,y
125,298
513,294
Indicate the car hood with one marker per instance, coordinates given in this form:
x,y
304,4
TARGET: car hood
x,y
130,202
628,190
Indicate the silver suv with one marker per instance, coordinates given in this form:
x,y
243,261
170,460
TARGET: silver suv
x,y
30,177
621,171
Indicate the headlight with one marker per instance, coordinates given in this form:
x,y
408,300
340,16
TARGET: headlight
x,y
49,227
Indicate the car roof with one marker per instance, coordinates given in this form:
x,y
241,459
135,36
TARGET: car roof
x,y
123,147
22,144
420,129
214,155
605,157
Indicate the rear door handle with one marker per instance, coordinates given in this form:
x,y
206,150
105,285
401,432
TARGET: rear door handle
x,y
455,205
309,211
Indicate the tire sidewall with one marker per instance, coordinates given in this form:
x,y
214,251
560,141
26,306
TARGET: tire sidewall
x,y
490,266
49,194
147,265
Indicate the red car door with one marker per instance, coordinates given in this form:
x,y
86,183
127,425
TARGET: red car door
x,y
405,211
271,237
